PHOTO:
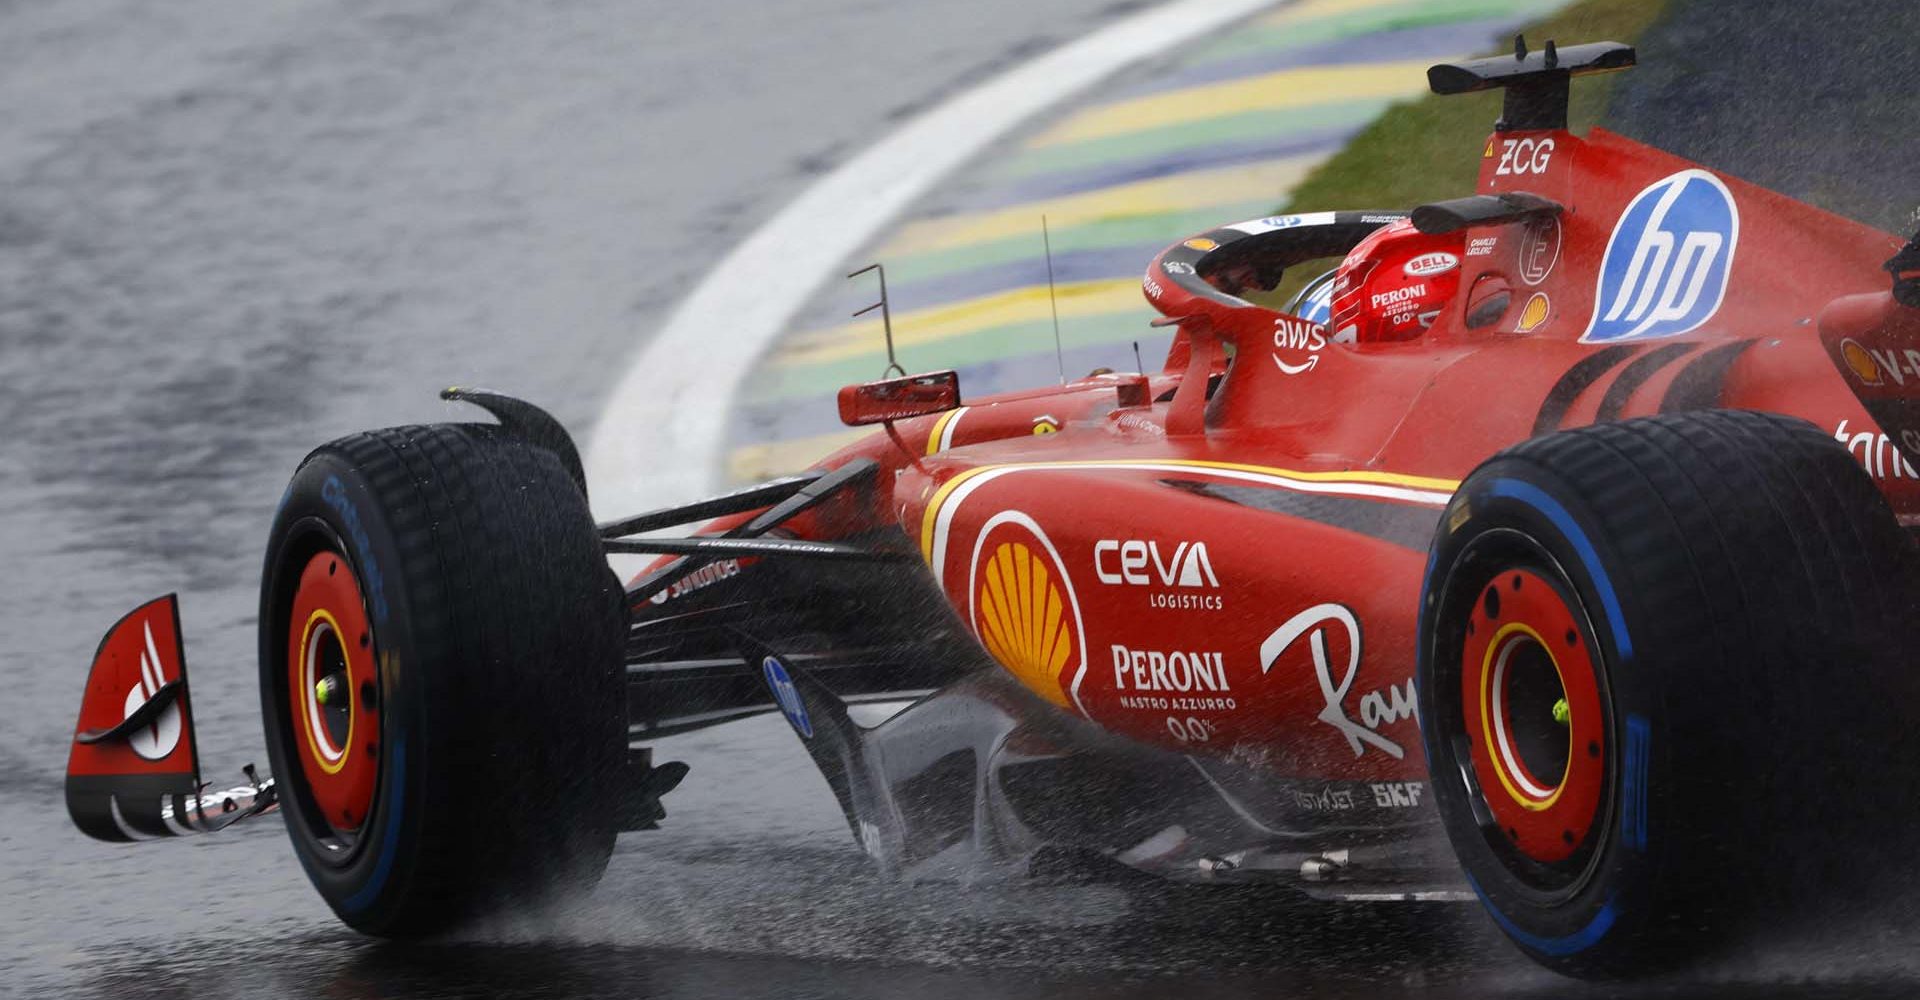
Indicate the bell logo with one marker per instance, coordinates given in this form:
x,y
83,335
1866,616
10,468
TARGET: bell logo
x,y
1429,264
1666,266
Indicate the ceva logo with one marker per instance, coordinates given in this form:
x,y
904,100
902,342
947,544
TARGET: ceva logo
x,y
1666,266
1116,561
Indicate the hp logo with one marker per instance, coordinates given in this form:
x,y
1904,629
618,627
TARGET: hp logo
x,y
1665,270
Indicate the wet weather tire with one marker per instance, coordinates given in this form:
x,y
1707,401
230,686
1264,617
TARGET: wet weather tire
x,y
1662,684
445,586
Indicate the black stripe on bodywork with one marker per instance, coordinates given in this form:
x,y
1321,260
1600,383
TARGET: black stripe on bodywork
x,y
1635,375
1700,383
1578,378
1394,523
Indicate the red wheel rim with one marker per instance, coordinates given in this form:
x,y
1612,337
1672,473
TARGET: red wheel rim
x,y
1532,697
330,646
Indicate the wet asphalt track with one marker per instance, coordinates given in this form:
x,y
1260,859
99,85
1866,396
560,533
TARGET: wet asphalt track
x,y
232,229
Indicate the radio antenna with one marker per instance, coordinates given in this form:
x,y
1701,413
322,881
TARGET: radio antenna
x,y
1138,365
886,317
1053,300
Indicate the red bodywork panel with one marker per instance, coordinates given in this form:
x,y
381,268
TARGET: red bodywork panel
x,y
139,657
1238,574
133,757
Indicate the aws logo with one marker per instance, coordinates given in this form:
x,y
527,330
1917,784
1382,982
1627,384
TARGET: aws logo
x,y
1024,609
1666,266
1293,338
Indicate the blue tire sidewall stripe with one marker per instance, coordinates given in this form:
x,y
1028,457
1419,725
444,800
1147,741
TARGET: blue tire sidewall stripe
x,y
1557,947
1633,828
1533,496
396,801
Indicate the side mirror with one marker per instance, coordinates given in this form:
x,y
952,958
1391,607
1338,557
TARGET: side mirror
x,y
899,398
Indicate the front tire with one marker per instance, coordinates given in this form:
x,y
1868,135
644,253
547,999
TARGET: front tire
x,y
1646,648
440,667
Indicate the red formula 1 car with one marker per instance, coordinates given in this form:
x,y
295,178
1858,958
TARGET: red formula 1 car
x,y
1565,564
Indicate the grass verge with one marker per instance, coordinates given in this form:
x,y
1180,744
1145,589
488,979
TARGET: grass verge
x,y
1429,149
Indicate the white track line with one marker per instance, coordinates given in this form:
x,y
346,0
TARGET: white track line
x,y
661,438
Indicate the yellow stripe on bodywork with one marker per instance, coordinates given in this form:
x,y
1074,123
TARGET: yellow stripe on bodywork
x,y
932,513
1287,88
1356,476
1195,189
940,425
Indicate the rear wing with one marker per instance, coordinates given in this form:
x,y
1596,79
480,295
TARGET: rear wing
x,y
1537,84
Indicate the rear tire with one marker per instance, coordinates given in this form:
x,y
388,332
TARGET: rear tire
x,y
1725,601
485,690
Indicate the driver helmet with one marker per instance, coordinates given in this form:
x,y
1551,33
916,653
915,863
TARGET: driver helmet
x,y
1314,303
1394,283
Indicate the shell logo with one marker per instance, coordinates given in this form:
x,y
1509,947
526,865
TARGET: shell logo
x,y
1534,313
1860,362
1024,610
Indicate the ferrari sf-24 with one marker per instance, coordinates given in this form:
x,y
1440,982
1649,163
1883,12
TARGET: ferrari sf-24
x,y
1552,550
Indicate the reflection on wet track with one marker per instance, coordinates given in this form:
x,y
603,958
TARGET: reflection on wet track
x,y
754,889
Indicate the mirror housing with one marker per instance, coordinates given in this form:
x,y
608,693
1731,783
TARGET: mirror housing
x,y
899,398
